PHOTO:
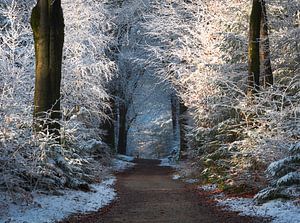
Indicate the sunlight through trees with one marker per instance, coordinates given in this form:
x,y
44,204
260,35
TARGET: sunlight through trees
x,y
212,86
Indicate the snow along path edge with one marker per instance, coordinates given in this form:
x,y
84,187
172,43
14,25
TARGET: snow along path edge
x,y
52,208
280,211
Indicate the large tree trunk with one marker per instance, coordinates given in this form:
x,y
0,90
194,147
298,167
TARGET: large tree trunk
x,y
253,48
182,130
265,48
122,141
48,29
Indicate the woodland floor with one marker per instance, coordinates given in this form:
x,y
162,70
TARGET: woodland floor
x,y
147,193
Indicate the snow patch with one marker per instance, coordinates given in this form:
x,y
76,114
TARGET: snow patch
x,y
176,177
279,211
167,162
288,179
188,180
125,158
51,208
208,187
283,163
191,181
122,163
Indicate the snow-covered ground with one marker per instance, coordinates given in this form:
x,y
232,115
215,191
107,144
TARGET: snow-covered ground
x,y
51,208
41,208
279,211
122,162
168,162
189,180
125,158
176,176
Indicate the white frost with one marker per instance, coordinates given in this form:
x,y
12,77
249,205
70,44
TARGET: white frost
x,y
290,178
279,211
208,187
122,163
176,177
191,181
167,162
50,208
277,165
125,158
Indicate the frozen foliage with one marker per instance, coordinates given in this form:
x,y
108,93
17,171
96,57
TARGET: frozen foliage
x,y
201,49
281,167
286,174
140,99
289,179
39,207
31,161
168,162
52,208
295,148
150,135
197,49
16,93
86,68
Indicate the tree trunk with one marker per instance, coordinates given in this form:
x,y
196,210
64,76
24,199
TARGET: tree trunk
x,y
109,126
253,48
182,130
48,29
122,142
265,48
174,110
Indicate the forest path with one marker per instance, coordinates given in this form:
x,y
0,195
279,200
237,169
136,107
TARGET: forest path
x,y
147,193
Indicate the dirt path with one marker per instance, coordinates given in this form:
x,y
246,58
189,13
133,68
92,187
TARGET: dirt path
x,y
147,193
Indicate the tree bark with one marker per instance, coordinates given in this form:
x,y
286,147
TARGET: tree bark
x,y
109,126
122,141
48,29
253,48
174,110
182,130
265,48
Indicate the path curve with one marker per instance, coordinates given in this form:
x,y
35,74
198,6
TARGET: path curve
x,y
147,194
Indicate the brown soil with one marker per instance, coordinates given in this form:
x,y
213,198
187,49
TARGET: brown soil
x,y
147,193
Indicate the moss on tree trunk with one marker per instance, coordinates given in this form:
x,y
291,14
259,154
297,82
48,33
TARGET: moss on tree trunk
x,y
259,49
265,48
48,29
